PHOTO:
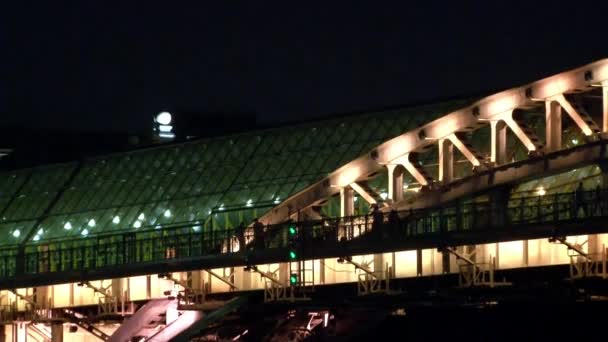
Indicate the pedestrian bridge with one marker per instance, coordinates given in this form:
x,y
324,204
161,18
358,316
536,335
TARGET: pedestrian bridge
x,y
484,185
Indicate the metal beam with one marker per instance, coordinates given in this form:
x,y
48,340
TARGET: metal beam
x,y
467,119
366,196
466,152
224,280
582,119
520,171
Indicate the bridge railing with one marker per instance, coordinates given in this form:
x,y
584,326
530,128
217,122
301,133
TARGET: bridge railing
x,y
184,242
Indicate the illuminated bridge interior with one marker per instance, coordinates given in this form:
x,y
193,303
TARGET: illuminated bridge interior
x,y
161,243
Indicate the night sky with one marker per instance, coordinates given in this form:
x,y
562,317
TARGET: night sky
x,y
110,66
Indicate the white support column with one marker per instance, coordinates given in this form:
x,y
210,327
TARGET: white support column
x,y
574,114
347,202
395,182
553,126
446,160
499,142
605,106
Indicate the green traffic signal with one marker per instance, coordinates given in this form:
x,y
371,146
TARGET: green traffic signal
x,y
293,279
292,230
292,255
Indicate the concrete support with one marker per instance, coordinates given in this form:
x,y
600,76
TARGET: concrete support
x,y
499,142
446,160
605,106
553,126
395,182
57,332
347,202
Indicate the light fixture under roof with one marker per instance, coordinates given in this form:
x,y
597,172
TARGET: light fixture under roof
x,y
91,223
84,232
116,219
67,226
167,213
137,224
141,217
249,203
16,233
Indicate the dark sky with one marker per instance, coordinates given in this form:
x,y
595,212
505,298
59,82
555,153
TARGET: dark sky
x,y
100,65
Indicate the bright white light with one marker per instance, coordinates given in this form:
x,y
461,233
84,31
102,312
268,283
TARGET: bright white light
x,y
356,198
116,219
40,231
165,128
575,141
67,226
36,237
541,191
158,226
164,118
383,195
92,223
196,228
141,217
249,203
221,206
84,232
277,200
137,224
167,213
16,233
166,135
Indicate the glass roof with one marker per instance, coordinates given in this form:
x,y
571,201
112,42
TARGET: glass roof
x,y
216,182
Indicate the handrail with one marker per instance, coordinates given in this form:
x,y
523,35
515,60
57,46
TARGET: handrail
x,y
155,245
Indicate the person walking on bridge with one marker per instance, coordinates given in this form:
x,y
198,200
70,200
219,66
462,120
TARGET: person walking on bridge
x,y
258,234
579,200
240,236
